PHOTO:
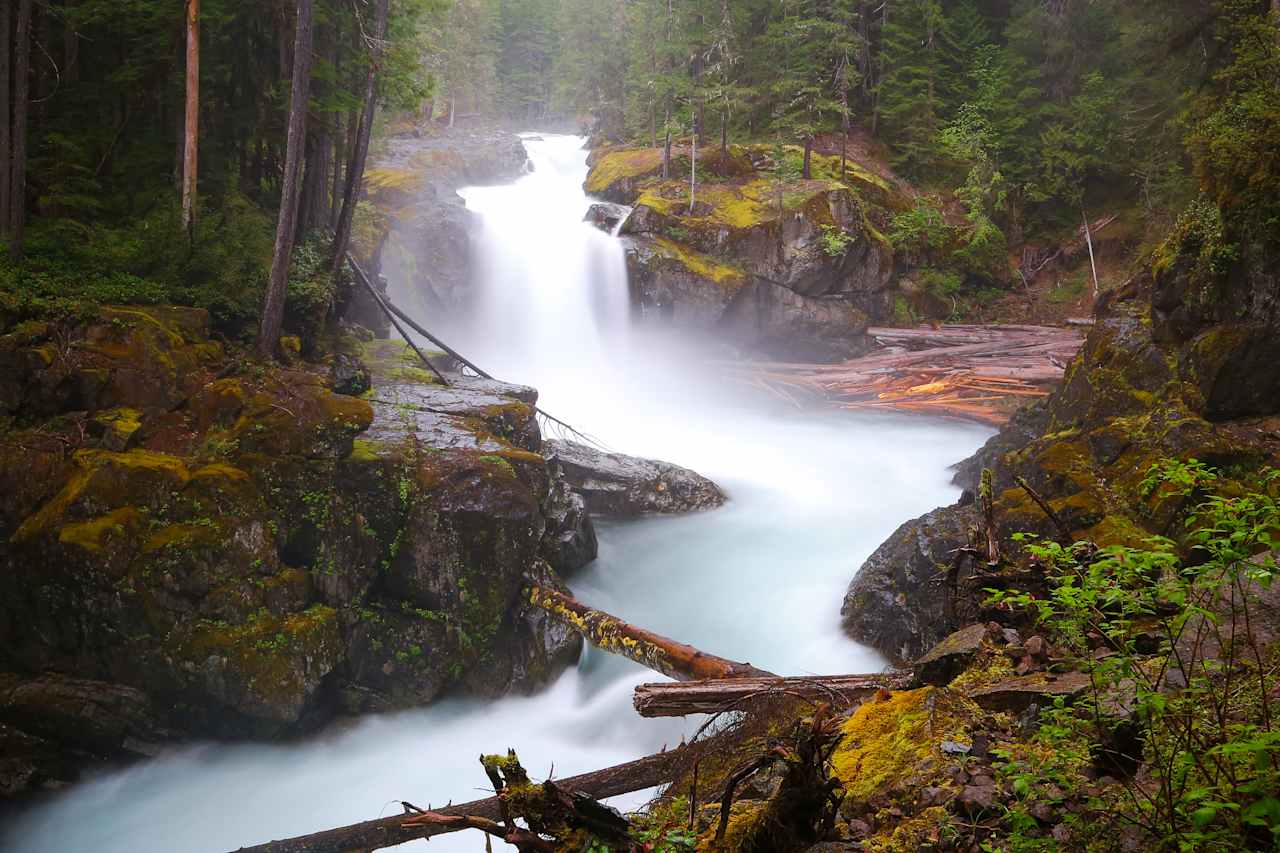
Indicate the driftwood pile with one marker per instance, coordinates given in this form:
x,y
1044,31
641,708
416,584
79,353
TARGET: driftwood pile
x,y
979,373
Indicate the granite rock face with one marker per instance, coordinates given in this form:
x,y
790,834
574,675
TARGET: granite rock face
x,y
617,486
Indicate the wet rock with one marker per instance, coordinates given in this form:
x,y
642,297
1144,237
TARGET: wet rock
x,y
896,601
949,658
1017,694
102,717
618,486
606,216
976,799
570,540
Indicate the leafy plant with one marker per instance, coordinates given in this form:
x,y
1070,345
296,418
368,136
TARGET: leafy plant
x,y
1166,637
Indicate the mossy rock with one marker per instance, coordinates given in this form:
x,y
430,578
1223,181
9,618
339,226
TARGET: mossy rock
x,y
267,668
893,743
308,420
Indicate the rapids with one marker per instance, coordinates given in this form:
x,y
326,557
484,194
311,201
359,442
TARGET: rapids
x,y
759,580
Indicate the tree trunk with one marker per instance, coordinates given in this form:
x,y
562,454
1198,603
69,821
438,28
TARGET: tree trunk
x,y
360,152
21,88
6,127
389,831
1088,236
677,660
70,45
711,696
808,158
339,157
724,134
191,127
693,173
273,307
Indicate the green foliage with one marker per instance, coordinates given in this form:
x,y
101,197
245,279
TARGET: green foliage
x,y
1177,627
835,242
151,260
921,230
1234,126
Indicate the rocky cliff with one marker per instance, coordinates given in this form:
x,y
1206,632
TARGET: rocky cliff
x,y
195,545
1176,367
781,266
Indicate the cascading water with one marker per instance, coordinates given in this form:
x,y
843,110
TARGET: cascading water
x,y
759,580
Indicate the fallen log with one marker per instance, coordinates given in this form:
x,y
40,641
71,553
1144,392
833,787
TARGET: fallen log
x,y
711,696
389,831
661,654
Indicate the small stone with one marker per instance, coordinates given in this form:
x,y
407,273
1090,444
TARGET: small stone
x,y
1036,646
981,746
1042,812
977,798
859,829
1061,834
951,747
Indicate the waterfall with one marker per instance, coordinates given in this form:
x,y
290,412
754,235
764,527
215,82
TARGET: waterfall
x,y
811,495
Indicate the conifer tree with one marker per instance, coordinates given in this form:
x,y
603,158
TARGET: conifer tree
x,y
911,91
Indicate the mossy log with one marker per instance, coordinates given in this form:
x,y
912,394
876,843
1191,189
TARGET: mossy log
x,y
677,660
710,696
390,831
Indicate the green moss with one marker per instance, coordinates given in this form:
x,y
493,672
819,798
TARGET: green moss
x,y
620,164
703,266
92,535
363,450
890,740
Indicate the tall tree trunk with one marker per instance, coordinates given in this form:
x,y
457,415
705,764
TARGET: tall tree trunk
x,y
6,127
355,171
693,173
191,127
808,157
339,157
724,134
273,306
70,44
21,88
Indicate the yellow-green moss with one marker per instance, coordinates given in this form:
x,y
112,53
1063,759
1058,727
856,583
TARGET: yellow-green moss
x,y
731,278
363,450
180,536
91,535
911,834
621,164
891,740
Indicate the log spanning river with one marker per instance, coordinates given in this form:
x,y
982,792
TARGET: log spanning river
x,y
758,580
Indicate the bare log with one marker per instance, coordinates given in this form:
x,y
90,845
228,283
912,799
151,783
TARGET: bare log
x,y
678,660
389,831
711,696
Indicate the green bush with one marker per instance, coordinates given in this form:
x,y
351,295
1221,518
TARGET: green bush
x,y
1166,636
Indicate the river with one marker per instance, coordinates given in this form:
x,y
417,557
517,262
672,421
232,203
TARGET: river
x,y
759,580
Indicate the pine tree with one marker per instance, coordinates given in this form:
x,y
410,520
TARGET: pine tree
x,y
913,83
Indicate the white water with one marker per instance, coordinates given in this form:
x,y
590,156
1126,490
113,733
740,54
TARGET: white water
x,y
759,580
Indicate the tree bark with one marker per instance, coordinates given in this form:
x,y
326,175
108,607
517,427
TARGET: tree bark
x,y
808,158
21,90
70,44
661,654
360,152
710,696
191,128
390,831
273,306
6,126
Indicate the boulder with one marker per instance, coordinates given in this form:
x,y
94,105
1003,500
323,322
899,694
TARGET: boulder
x,y
949,658
618,486
606,216
896,601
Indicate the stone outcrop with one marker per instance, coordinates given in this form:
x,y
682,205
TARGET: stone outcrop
x,y
190,548
426,228
618,486
1164,374
791,269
